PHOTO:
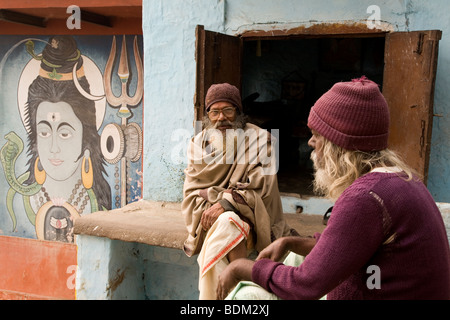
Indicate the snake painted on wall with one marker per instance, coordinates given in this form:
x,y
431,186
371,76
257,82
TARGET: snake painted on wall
x,y
8,155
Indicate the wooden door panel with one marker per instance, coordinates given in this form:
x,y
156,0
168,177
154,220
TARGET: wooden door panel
x,y
408,85
219,58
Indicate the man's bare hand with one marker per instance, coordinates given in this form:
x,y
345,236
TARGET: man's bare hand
x,y
275,251
238,270
227,281
280,247
210,215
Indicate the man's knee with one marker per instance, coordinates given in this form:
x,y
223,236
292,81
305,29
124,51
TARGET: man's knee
x,y
225,217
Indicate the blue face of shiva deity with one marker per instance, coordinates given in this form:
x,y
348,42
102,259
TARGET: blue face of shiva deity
x,y
59,139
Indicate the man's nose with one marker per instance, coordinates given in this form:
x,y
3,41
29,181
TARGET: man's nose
x,y
221,116
312,142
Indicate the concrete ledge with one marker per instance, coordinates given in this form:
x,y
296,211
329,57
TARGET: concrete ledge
x,y
161,224
154,223
305,224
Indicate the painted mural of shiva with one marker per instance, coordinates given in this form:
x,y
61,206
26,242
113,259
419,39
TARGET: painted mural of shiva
x,y
65,170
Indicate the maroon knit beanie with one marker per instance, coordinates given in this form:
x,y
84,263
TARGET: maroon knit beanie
x,y
223,92
353,115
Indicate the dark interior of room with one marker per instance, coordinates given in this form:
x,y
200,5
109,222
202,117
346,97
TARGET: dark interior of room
x,y
282,79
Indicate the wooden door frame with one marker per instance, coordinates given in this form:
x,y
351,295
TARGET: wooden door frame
x,y
222,68
411,62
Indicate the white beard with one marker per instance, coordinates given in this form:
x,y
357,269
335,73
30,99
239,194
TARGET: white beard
x,y
221,142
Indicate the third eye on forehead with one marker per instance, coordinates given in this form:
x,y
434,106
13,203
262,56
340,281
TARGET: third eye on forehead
x,y
53,116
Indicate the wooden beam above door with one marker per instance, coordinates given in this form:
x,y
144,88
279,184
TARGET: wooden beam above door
x,y
318,30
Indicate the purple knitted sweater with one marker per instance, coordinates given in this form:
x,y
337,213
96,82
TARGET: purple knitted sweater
x,y
379,220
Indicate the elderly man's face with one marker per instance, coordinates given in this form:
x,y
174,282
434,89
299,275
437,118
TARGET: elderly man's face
x,y
222,115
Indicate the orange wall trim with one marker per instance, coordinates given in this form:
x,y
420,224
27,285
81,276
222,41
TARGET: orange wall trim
x,y
36,269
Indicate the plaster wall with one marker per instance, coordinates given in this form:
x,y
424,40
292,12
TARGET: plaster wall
x,y
169,46
121,270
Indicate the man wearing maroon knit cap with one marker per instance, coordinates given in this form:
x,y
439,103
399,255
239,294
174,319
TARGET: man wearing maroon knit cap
x,y
385,238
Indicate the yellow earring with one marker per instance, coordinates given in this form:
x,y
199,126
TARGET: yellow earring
x,y
87,176
39,175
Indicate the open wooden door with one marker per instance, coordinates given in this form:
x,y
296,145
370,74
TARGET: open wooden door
x,y
219,58
408,86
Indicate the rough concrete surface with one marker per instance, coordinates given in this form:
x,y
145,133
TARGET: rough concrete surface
x,y
154,223
161,224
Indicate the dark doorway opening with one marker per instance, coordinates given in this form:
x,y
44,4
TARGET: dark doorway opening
x,y
281,73
281,80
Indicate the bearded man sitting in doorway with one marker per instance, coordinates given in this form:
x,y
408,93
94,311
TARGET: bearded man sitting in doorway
x,y
231,199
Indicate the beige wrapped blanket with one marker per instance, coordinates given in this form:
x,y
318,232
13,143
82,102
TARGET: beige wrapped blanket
x,y
244,175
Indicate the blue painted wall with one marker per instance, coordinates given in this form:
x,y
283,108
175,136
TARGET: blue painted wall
x,y
120,270
169,46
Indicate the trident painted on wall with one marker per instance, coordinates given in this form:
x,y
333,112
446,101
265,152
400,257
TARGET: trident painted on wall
x,y
122,142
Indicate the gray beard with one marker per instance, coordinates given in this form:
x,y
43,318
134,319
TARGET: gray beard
x,y
221,141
